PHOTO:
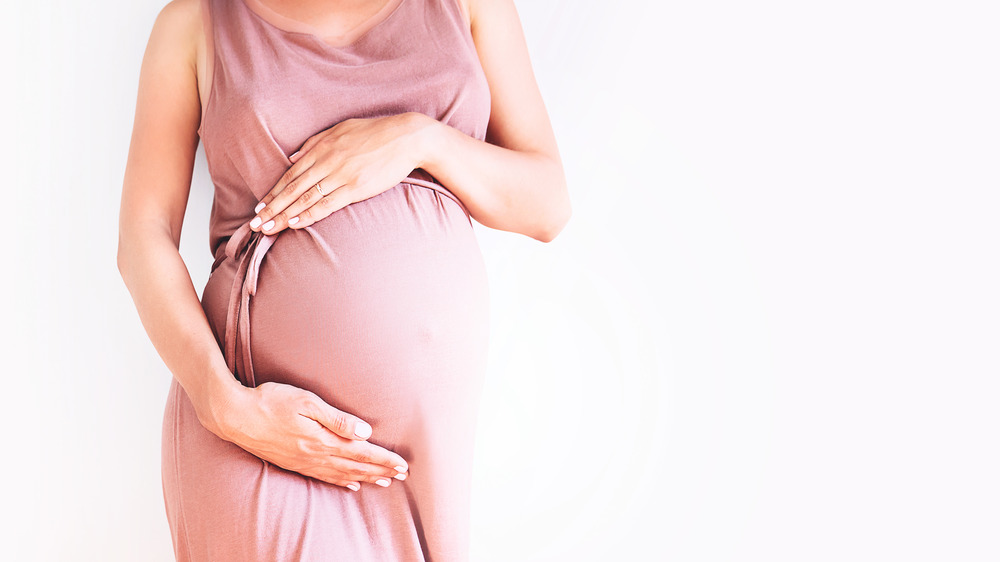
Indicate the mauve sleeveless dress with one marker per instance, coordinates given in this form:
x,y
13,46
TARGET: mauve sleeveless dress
x,y
381,308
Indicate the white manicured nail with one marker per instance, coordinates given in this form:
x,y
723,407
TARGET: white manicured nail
x,y
293,220
400,477
400,469
259,206
384,482
268,225
354,486
255,222
293,154
363,430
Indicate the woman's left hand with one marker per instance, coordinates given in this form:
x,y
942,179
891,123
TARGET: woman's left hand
x,y
352,161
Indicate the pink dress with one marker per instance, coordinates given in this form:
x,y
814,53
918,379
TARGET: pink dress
x,y
381,308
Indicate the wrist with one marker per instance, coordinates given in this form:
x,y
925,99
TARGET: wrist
x,y
216,400
427,134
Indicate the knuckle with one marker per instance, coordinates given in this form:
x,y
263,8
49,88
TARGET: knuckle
x,y
335,450
308,404
267,213
293,186
309,407
308,196
340,422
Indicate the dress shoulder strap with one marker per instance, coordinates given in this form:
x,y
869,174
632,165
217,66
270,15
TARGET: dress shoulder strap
x,y
207,28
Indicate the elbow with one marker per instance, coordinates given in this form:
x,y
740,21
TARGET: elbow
x,y
122,261
558,216
555,224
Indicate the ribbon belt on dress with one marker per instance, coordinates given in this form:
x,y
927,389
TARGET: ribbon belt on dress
x,y
249,247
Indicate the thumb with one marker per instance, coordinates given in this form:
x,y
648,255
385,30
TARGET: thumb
x,y
342,423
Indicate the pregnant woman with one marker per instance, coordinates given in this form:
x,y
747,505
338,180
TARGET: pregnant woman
x,y
326,385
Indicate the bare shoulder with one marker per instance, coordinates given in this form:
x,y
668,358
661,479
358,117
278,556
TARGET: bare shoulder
x,y
178,39
518,117
180,20
177,33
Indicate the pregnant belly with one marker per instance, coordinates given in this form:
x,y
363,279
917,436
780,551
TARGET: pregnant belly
x,y
381,309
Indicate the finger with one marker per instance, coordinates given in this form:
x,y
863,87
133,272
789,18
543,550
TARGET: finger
x,y
341,423
290,174
306,147
370,454
312,196
336,477
366,472
340,198
270,218
353,485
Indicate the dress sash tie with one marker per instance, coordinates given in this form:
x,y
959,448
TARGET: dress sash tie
x,y
249,247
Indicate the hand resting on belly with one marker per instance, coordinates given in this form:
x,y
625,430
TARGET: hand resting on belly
x,y
296,430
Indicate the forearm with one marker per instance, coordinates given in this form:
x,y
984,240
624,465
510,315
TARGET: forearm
x,y
171,313
505,189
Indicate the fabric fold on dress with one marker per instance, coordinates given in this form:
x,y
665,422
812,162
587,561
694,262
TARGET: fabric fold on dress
x,y
250,247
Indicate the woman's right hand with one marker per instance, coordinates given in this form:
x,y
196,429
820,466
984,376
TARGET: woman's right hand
x,y
296,430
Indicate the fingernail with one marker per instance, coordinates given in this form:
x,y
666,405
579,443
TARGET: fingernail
x,y
293,220
354,486
400,477
255,222
400,469
294,154
362,430
259,206
268,225
384,482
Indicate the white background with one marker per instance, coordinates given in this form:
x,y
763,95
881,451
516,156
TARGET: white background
x,y
770,331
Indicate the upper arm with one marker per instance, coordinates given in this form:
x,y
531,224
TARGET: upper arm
x,y
165,131
518,118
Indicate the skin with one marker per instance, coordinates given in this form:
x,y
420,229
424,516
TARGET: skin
x,y
514,182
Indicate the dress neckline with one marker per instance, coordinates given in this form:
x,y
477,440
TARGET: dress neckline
x,y
285,24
